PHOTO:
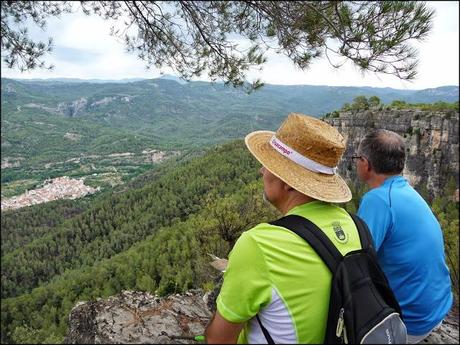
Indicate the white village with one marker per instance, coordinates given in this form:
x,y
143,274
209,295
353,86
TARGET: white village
x,y
58,188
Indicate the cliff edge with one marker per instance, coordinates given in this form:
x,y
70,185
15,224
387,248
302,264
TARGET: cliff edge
x,y
141,318
431,137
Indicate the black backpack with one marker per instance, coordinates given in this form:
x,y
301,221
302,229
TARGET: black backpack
x,y
362,306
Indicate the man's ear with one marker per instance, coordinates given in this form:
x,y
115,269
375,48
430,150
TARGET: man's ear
x,y
287,187
368,165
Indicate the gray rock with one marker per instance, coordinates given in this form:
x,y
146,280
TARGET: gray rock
x,y
432,143
447,333
138,318
72,109
141,318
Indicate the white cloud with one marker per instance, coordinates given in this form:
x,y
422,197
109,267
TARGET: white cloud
x,y
84,49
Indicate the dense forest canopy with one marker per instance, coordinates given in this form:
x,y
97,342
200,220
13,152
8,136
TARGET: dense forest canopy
x,y
194,37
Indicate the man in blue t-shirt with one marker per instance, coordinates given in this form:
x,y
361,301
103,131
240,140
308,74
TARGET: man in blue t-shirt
x,y
407,236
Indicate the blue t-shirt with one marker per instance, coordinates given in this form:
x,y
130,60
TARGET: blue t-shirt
x,y
410,248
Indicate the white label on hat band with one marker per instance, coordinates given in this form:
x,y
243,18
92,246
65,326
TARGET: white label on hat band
x,y
296,157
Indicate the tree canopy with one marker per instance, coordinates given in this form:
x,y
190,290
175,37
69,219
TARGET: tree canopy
x,y
195,37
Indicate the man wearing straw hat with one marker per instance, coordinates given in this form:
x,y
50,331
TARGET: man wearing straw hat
x,y
407,236
273,273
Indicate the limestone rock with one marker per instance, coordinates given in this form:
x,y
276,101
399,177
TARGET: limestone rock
x,y
432,142
142,318
138,318
72,109
447,333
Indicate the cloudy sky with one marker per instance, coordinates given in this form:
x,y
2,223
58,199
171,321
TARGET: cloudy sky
x,y
84,49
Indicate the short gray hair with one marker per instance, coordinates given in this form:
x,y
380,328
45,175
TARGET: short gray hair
x,y
385,150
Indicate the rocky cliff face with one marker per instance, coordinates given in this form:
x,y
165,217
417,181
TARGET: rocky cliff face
x,y
432,142
73,108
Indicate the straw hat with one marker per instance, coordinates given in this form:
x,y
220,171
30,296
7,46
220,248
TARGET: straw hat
x,y
304,153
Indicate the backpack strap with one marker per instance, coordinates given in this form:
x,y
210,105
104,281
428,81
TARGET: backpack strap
x,y
320,243
267,335
363,231
317,239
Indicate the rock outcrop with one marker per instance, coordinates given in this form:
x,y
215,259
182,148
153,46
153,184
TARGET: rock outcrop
x,y
432,142
72,109
141,318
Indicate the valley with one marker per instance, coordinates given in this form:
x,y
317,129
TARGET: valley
x,y
109,132
99,171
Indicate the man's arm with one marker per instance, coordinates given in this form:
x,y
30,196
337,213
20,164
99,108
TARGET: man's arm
x,y
221,331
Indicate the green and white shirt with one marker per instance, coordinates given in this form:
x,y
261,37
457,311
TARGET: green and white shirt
x,y
274,273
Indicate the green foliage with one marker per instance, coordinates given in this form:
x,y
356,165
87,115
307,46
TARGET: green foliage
x,y
154,237
24,335
22,226
374,101
374,35
446,210
132,117
152,234
398,104
18,49
359,103
436,106
346,107
333,114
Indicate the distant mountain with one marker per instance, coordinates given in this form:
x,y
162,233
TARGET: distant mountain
x,y
39,117
78,80
436,94
173,77
311,99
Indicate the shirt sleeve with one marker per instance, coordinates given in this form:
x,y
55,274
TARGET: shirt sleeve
x,y
247,287
377,215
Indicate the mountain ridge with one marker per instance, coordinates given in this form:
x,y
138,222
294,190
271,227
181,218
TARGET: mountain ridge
x,y
177,79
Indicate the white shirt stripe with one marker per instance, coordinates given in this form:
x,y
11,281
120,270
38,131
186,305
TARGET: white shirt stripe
x,y
276,319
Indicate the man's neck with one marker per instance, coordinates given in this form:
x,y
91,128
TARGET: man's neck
x,y
295,199
376,180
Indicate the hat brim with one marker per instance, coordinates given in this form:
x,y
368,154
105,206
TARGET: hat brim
x,y
330,188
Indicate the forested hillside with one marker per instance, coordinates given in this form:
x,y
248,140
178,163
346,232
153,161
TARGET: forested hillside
x,y
23,226
154,237
172,221
115,223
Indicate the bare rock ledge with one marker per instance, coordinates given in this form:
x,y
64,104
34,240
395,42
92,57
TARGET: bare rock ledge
x,y
142,318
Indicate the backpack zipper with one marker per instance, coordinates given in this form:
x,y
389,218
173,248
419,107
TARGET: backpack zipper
x,y
339,329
